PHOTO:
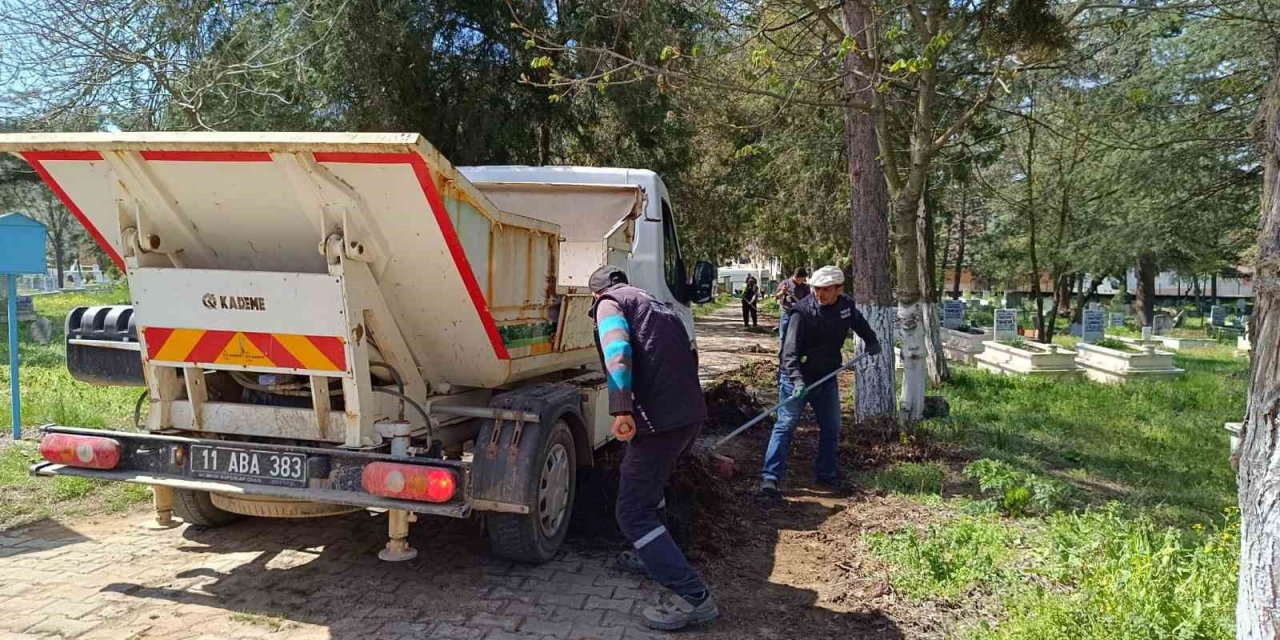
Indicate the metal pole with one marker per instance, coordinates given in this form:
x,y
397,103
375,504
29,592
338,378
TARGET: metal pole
x,y
13,355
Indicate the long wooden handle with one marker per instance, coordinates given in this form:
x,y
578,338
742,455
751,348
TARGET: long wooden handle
x,y
768,412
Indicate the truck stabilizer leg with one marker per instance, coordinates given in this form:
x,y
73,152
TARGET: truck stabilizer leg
x,y
162,500
398,549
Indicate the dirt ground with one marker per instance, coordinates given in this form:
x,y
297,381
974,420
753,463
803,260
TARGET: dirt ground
x,y
796,570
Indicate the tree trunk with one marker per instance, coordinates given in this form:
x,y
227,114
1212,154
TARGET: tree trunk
x,y
869,204
58,260
1213,284
910,312
1085,297
1258,473
1145,300
1061,289
964,207
935,356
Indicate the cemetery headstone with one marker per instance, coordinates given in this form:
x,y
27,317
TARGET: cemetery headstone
x,y
1117,320
953,314
41,330
1218,315
1094,325
1006,324
1161,323
1146,333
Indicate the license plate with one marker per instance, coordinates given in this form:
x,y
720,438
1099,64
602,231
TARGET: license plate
x,y
247,465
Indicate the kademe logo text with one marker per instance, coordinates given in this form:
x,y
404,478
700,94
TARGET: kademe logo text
x,y
235,303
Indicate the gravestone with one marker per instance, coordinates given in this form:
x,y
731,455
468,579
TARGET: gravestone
x,y
1146,333
1116,320
953,314
1218,315
41,331
1237,322
1161,323
1094,326
1006,324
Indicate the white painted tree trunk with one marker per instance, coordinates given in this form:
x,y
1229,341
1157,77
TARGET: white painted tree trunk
x,y
1258,475
876,376
914,376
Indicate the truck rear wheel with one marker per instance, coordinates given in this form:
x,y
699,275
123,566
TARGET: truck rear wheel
x,y
535,537
196,507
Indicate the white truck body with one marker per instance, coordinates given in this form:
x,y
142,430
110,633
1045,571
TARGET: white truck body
x,y
294,289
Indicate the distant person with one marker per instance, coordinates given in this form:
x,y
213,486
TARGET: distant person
x,y
818,327
750,299
658,410
791,291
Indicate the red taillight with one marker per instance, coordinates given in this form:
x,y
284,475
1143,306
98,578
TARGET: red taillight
x,y
409,482
90,452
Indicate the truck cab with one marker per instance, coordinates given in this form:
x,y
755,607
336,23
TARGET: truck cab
x,y
327,322
655,263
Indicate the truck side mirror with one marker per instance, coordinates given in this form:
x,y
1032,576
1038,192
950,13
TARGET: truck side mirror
x,y
704,279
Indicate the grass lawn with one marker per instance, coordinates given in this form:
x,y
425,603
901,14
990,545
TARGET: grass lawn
x,y
1086,511
50,395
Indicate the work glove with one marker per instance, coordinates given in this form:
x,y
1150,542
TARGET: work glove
x,y
800,391
872,348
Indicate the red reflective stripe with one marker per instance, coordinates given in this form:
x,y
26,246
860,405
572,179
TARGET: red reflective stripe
x,y
331,348
451,240
275,352
459,256
155,337
210,346
35,157
61,155
355,157
207,156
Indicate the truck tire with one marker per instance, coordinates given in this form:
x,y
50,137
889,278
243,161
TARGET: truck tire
x,y
535,537
196,507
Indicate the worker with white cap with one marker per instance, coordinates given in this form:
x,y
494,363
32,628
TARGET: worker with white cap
x,y
816,331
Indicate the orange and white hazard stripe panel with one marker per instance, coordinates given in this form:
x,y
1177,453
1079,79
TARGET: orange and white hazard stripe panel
x,y
246,348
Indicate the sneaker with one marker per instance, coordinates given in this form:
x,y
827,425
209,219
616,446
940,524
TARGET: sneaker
x,y
836,487
675,612
769,493
630,561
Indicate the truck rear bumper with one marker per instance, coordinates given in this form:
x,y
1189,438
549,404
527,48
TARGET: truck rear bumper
x,y
157,459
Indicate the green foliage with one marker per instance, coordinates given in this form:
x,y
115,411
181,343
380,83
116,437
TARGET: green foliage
x,y
924,478
1116,575
1118,345
1016,492
947,560
1159,444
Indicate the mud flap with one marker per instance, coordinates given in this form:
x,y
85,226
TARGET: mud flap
x,y
506,452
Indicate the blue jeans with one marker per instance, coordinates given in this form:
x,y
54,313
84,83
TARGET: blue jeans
x,y
825,400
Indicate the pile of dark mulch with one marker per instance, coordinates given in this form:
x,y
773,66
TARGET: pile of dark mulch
x,y
730,403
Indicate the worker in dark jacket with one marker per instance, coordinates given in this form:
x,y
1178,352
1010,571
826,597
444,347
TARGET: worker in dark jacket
x,y
815,333
657,407
750,298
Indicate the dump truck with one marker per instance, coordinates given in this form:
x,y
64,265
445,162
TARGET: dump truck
x,y
330,322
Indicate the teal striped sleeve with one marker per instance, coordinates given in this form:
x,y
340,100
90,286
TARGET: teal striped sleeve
x,y
615,343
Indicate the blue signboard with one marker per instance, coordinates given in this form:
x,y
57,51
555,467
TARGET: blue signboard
x,y
23,246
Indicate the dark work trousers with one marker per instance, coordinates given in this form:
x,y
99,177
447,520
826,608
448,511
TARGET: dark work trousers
x,y
646,467
749,313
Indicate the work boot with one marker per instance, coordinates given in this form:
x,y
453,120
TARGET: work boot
x,y
769,494
630,561
677,612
